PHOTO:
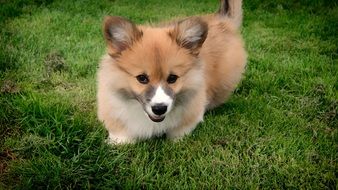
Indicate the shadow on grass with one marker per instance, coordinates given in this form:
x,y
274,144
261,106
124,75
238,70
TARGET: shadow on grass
x,y
10,9
312,5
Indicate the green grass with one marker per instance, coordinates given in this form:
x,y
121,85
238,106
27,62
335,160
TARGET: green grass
x,y
279,129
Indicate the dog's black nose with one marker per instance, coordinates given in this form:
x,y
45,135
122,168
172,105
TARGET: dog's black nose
x,y
159,109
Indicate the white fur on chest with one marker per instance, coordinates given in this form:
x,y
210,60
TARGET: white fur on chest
x,y
137,123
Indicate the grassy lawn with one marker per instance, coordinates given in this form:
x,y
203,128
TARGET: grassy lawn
x,y
279,129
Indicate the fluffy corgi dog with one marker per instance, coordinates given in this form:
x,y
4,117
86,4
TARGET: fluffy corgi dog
x,y
159,80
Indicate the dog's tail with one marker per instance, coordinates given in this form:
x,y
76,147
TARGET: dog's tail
x,y
231,9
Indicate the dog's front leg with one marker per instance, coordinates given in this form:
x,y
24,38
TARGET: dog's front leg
x,y
176,134
187,125
118,134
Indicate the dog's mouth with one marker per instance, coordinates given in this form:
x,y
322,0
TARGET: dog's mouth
x,y
156,118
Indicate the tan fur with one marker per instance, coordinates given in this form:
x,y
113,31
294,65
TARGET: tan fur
x,y
209,64
223,52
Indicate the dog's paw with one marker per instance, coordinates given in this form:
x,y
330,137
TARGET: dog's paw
x,y
119,140
176,136
175,139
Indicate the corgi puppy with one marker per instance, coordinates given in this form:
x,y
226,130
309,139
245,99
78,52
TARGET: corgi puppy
x,y
159,80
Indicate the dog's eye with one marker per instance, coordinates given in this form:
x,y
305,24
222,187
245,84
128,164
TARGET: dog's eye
x,y
172,78
143,79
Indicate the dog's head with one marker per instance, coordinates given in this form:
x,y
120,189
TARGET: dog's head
x,y
159,63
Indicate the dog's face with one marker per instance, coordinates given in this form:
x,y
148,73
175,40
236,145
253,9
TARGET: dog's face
x,y
156,61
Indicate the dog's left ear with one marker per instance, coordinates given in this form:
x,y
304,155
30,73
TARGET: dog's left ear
x,y
190,34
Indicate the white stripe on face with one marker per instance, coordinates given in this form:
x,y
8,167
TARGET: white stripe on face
x,y
161,97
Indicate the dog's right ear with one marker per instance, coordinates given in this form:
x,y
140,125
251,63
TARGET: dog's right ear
x,y
120,34
190,34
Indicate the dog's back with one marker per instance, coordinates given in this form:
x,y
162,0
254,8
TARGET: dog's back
x,y
223,52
